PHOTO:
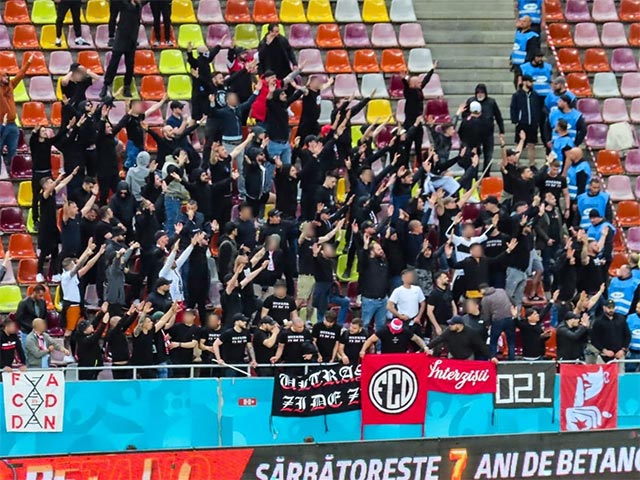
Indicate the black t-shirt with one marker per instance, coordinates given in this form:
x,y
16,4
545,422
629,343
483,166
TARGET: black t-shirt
x,y
144,348
555,185
293,341
75,91
263,354
279,308
162,341
234,345
353,344
209,335
183,333
70,236
441,301
326,338
305,258
231,304
394,343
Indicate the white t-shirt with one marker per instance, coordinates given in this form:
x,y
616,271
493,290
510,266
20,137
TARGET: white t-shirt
x,y
407,300
70,287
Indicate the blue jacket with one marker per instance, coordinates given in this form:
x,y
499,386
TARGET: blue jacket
x,y
523,47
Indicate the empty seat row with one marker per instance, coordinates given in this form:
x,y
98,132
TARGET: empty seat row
x,y
597,136
586,35
355,35
605,85
596,60
602,11
613,110
365,61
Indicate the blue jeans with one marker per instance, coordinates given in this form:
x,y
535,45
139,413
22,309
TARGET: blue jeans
x,y
632,367
132,155
507,326
9,136
171,211
344,304
281,149
322,296
163,372
516,282
376,309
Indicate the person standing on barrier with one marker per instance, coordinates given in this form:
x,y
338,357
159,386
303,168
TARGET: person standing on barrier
x,y
183,340
235,343
117,345
265,344
144,339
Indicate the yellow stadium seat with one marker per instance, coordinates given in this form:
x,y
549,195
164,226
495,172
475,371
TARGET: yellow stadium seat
x,y
98,11
292,11
25,195
68,20
190,33
179,87
48,39
320,11
246,36
377,109
118,82
20,94
182,12
43,12
375,11
10,296
341,190
171,62
265,29
31,225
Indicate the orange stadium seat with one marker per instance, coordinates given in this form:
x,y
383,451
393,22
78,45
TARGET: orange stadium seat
x,y
90,59
25,37
634,35
618,260
628,213
608,163
328,36
337,61
392,61
578,83
38,63
33,114
560,35
21,246
16,11
365,61
553,11
237,11
569,60
145,63
296,109
27,271
629,10
618,242
491,186
595,60
9,62
56,114
265,11
152,87
47,296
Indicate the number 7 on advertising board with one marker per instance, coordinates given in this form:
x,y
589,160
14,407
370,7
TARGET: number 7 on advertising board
x,y
460,456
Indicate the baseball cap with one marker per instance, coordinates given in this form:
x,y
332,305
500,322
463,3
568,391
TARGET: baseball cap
x,y
157,316
258,130
74,66
240,317
594,213
161,282
159,234
83,325
565,98
396,325
527,78
491,199
280,283
475,107
610,303
538,53
176,104
118,231
326,210
457,320
311,138
268,320
366,224
275,213
511,152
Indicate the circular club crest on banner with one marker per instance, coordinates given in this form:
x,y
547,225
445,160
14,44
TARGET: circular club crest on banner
x,y
393,389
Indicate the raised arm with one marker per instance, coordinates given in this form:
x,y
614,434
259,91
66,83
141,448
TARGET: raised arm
x,y
156,106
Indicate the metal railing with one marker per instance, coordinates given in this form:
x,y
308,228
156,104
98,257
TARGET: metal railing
x,y
245,370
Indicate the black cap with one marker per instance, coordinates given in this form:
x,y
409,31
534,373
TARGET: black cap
x,y
280,283
572,316
74,66
267,319
511,152
457,320
594,213
367,224
83,325
240,317
538,53
326,210
527,78
491,199
118,231
230,227
160,234
275,213
610,303
258,130
176,104
161,282
566,98
311,138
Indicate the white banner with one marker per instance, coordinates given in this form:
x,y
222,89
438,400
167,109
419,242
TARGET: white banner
x,y
33,401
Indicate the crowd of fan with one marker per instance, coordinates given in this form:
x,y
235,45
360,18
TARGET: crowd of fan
x,y
432,276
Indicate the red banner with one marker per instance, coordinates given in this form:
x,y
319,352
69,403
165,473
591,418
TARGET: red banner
x,y
460,376
588,397
393,389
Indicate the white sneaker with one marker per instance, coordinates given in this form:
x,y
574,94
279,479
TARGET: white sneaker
x,y
82,42
58,42
56,278
40,278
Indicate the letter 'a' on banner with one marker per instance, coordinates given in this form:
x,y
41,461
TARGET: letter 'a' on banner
x,y
33,401
393,389
460,376
588,397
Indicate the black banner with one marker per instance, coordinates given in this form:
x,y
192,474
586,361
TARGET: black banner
x,y
525,385
332,389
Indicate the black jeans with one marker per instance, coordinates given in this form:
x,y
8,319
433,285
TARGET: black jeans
x,y
107,183
35,188
112,69
114,10
487,150
161,8
62,8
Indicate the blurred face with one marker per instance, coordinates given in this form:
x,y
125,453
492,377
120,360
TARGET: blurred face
x,y
213,321
297,325
414,82
534,317
476,251
39,325
328,251
558,87
136,106
189,318
11,328
280,291
331,182
468,230
167,131
89,330
472,307
408,278
232,99
377,250
481,96
366,176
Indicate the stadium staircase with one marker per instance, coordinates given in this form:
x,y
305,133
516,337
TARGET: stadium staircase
x,y
472,43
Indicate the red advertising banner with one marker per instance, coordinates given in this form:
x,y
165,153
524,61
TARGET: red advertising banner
x,y
460,376
588,397
393,389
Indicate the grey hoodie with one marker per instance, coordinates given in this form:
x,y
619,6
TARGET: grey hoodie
x,y
495,305
136,176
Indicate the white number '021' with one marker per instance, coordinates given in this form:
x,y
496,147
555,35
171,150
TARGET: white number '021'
x,y
520,387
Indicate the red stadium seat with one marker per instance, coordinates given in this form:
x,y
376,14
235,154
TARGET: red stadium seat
x,y
11,220
27,271
491,186
21,246
553,11
628,213
365,61
578,83
569,60
560,35
595,60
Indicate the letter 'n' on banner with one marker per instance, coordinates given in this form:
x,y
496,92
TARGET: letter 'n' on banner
x,y
393,389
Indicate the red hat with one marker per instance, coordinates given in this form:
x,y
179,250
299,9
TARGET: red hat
x,y
396,325
324,130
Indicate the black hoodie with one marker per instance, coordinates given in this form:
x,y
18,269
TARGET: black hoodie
x,y
123,207
286,191
278,116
